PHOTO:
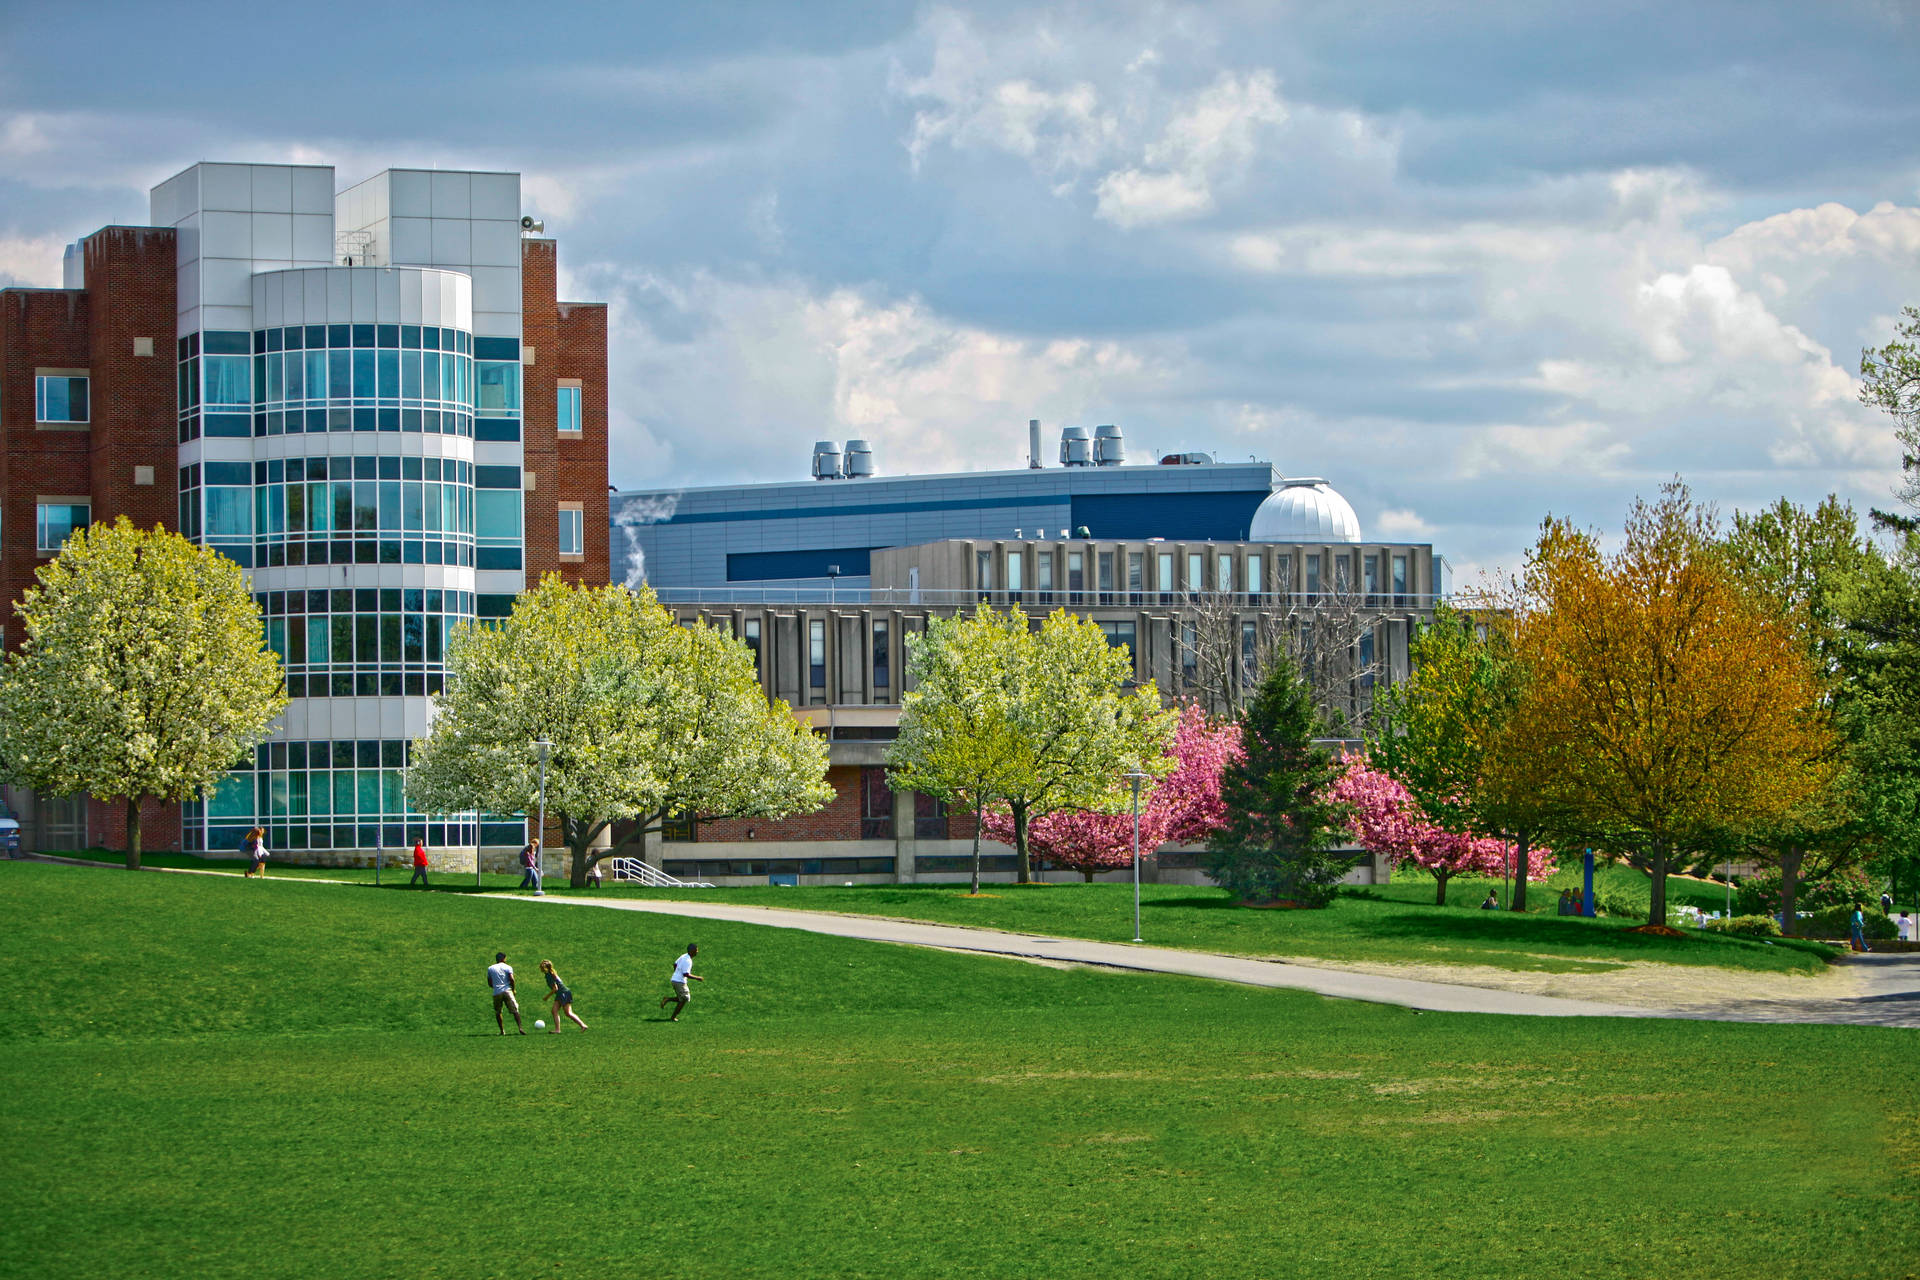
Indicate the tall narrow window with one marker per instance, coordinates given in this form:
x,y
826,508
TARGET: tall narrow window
x,y
750,632
1043,570
1166,577
1400,580
60,398
1190,653
1249,654
1196,572
1223,572
1313,577
1136,575
1254,584
1106,577
572,530
876,804
1076,572
983,571
817,654
882,658
1016,570
1370,580
1283,575
568,401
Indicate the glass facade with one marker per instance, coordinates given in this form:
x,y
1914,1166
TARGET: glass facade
x,y
364,641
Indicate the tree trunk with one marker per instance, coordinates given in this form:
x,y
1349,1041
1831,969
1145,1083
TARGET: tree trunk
x,y
978,806
133,834
1025,875
1440,879
1522,866
1088,875
1657,905
1790,860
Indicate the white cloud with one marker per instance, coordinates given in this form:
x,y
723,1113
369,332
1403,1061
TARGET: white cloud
x,y
1403,524
1210,139
33,261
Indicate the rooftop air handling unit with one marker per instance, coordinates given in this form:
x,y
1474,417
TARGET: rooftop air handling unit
x,y
1109,449
859,460
1076,447
826,460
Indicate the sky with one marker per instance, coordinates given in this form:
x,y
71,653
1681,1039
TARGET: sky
x,y
1474,264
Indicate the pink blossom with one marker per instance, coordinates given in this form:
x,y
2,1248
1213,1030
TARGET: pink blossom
x,y
1388,821
1183,807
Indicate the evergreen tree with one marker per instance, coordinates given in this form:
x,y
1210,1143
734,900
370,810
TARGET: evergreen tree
x,y
1281,821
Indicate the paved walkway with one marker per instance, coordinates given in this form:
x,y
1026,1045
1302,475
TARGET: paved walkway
x,y
1887,986
1892,982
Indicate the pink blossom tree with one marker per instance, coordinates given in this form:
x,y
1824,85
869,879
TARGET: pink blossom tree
x,y
1183,807
1389,822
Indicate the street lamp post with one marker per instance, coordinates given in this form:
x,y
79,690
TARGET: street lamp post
x,y
542,747
1136,777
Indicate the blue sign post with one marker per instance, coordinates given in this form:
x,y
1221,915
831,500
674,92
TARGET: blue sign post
x,y
1586,897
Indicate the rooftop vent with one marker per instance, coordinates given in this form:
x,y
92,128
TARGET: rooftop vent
x,y
826,460
859,460
1109,450
1076,447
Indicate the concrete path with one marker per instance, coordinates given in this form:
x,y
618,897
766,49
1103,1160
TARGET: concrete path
x,y
1892,983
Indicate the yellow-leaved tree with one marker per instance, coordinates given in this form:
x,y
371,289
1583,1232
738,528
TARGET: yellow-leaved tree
x,y
1663,703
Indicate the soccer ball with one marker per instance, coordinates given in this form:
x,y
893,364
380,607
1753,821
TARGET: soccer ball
x,y
538,1025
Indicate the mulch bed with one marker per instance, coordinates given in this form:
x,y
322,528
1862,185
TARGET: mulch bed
x,y
1659,931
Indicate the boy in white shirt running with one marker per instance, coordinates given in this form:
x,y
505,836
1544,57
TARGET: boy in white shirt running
x,y
682,972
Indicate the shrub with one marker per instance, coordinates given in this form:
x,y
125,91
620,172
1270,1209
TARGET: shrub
x,y
1746,927
1834,922
1611,902
1760,894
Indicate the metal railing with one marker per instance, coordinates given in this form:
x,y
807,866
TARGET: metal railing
x,y
908,597
637,871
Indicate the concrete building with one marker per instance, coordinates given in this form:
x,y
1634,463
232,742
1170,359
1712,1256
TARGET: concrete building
x,y
370,398
1200,569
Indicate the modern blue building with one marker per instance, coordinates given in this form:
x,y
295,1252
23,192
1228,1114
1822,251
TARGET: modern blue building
x,y
821,533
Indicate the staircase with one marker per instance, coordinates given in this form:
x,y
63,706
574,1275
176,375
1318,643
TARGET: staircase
x,y
637,871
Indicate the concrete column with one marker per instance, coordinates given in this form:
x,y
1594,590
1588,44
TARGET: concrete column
x,y
904,805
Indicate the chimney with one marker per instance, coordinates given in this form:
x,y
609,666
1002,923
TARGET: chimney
x,y
1033,444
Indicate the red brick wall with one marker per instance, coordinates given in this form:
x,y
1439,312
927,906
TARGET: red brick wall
x,y
569,340
129,293
838,820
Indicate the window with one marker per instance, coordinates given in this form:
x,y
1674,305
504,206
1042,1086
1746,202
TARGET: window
x,y
60,398
1190,653
1371,578
572,531
1196,572
498,388
1253,574
1076,572
929,817
750,632
817,654
882,659
1313,577
1249,654
1119,634
1043,570
229,382
1342,575
1223,572
983,570
1400,580
569,407
1016,570
876,805
1166,577
1106,577
55,521
1283,575
1136,574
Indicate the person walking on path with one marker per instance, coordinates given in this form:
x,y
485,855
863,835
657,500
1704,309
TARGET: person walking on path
x,y
1906,927
419,865
1857,929
682,974
255,847
1886,904
530,866
500,982
562,997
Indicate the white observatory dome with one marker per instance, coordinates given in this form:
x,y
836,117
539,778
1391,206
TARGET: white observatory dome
x,y
1304,511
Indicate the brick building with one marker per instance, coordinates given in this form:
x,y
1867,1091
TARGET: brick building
x,y
374,400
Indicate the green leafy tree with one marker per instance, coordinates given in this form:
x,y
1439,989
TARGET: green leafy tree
x,y
1804,564
1057,726
1890,381
144,672
1281,821
647,720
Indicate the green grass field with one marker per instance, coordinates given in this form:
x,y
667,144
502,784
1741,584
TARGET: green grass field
x,y
1396,923
215,1078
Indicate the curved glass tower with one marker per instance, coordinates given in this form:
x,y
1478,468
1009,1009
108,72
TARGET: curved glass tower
x,y
350,432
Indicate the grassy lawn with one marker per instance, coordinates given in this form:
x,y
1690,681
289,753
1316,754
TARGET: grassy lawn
x,y
214,1078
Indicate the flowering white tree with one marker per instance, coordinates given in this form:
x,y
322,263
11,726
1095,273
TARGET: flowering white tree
x,y
647,720
145,672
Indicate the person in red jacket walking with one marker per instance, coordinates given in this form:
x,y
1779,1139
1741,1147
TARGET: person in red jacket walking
x,y
419,865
